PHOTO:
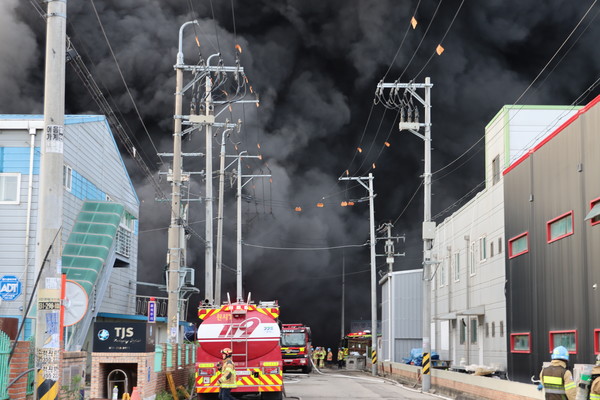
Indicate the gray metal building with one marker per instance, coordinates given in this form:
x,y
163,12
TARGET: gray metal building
x,y
552,203
401,319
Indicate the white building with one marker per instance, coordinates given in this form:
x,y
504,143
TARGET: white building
x,y
468,302
93,170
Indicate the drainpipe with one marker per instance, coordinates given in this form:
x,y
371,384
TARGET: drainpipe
x,y
32,132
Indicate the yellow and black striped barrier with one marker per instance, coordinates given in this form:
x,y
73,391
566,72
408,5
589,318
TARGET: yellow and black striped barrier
x,y
374,356
426,364
47,389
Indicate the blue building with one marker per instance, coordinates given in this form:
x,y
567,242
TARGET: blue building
x,y
93,172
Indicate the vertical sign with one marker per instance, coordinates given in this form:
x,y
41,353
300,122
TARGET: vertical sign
x,y
152,310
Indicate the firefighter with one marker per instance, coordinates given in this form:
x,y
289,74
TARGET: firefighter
x,y
315,356
321,357
340,358
228,378
595,389
329,357
556,379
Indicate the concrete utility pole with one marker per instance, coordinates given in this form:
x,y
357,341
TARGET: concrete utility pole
x,y
369,188
240,185
219,255
410,121
389,259
208,247
342,333
176,241
48,329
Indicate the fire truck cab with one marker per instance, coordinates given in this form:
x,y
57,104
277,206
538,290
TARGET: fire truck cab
x,y
296,347
253,333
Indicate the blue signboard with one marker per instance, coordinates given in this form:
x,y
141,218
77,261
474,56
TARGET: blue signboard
x,y
152,311
10,287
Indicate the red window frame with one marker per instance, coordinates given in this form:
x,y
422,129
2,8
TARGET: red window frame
x,y
596,341
548,240
510,242
512,342
551,340
592,204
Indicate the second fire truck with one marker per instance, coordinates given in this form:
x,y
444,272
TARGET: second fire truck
x,y
296,347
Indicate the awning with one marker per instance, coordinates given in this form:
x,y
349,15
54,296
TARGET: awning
x,y
594,212
451,315
479,310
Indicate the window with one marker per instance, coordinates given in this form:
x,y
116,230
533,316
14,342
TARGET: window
x,y
501,328
594,214
491,249
472,259
496,170
456,266
518,245
564,338
463,334
482,249
67,177
473,330
499,245
10,188
596,341
493,329
520,342
443,273
559,227
487,329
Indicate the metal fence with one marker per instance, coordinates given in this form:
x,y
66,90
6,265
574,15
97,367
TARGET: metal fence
x,y
4,367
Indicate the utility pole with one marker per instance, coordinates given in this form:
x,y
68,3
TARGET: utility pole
x,y
176,241
369,188
389,259
208,247
219,255
409,120
240,185
48,250
342,333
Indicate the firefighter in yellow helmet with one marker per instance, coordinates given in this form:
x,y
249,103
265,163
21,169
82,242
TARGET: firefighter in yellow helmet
x,y
228,378
321,357
595,389
556,378
340,358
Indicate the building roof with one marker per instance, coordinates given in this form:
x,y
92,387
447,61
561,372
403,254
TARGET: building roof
x,y
553,134
69,119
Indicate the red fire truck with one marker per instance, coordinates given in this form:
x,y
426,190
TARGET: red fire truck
x,y
295,347
253,334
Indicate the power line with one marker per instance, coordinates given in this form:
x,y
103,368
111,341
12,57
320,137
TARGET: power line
x,y
441,41
123,78
305,248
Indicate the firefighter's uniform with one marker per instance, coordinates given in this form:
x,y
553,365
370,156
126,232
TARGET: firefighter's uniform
x,y
595,389
322,357
557,379
228,377
340,358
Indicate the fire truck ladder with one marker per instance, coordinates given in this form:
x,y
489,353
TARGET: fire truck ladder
x,y
239,335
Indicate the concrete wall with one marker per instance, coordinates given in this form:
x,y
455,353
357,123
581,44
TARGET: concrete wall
x,y
461,386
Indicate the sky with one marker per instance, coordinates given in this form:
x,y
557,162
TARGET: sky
x,y
315,66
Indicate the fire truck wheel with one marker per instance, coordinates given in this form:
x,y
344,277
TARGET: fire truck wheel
x,y
272,396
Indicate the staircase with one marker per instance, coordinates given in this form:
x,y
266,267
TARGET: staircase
x,y
88,258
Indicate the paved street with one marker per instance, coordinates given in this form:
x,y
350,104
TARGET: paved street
x,y
334,384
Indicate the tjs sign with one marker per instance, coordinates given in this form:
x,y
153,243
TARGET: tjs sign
x,y
124,337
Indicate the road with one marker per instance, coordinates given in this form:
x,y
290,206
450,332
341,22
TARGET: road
x,y
334,384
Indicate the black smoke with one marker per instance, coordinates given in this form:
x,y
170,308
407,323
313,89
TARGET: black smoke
x,y
316,65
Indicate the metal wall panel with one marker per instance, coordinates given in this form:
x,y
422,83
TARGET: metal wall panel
x,y
550,287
